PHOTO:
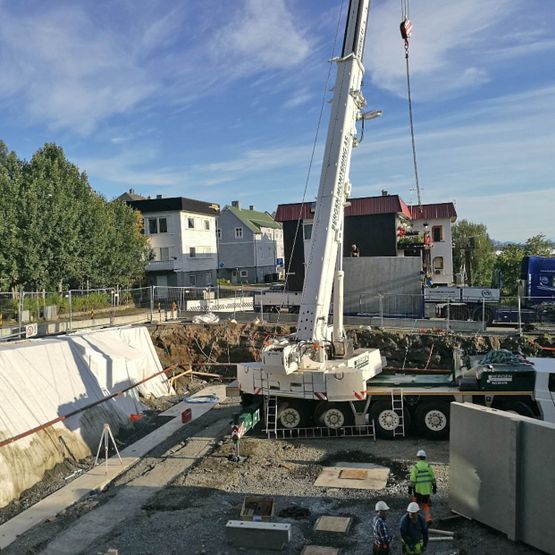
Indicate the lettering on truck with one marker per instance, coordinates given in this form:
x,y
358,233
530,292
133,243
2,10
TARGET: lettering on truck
x,y
362,362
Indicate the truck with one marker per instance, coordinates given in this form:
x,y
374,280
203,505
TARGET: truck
x,y
396,404
315,379
536,294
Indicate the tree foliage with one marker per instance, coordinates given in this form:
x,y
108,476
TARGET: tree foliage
x,y
508,263
56,232
471,243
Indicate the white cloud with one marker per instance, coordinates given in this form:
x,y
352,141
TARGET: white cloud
x,y
454,45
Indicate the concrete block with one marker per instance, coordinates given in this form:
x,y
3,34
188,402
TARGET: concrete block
x,y
258,535
482,465
327,523
536,484
501,472
344,476
319,550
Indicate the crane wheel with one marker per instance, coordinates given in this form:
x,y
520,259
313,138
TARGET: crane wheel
x,y
291,416
386,420
432,419
516,407
333,415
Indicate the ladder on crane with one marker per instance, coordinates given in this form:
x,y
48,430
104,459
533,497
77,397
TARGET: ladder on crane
x,y
270,407
398,406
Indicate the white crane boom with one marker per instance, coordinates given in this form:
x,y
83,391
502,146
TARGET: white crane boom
x,y
324,260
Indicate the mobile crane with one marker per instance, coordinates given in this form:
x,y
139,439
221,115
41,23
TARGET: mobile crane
x,y
319,363
315,379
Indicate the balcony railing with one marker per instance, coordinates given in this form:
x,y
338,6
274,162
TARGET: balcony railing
x,y
161,265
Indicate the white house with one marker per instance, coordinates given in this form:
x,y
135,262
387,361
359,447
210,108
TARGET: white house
x,y
250,245
182,235
435,221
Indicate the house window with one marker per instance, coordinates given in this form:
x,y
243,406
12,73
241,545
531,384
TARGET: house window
x,y
238,233
207,225
164,254
244,273
191,223
219,233
437,233
208,279
438,263
307,229
157,225
192,279
192,252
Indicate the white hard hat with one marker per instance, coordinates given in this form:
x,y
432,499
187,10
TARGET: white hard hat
x,y
382,506
421,453
413,507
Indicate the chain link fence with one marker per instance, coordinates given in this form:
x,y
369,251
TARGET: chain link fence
x,y
21,312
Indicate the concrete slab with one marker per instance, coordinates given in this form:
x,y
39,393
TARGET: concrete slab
x,y
261,535
319,550
100,476
331,476
326,523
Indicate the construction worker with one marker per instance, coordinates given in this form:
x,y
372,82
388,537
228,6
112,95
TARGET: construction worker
x,y
414,531
422,483
382,537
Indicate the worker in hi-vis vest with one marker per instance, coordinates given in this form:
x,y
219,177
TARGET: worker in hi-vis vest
x,y
422,483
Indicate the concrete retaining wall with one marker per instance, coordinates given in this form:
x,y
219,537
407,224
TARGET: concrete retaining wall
x,y
502,472
397,279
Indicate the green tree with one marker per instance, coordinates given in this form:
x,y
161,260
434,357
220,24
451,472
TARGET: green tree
x,y
56,232
10,198
473,246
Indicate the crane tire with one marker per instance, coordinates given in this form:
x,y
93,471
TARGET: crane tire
x,y
333,415
386,420
291,415
432,419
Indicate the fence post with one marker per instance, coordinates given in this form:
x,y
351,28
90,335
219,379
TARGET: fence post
x,y
70,310
519,317
151,303
448,326
380,300
484,325
20,310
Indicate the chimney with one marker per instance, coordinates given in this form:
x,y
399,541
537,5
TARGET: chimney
x,y
385,193
158,196
131,191
235,203
251,207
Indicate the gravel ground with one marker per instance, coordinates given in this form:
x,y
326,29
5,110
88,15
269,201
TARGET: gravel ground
x,y
189,515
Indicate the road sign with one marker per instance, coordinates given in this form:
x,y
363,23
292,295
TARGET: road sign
x,y
31,330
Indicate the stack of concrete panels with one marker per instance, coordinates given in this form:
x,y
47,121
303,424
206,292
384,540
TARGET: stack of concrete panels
x,y
502,472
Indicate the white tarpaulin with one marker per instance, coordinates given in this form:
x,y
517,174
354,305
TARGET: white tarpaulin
x,y
42,380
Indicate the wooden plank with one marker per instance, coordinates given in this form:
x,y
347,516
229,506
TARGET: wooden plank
x,y
330,478
353,474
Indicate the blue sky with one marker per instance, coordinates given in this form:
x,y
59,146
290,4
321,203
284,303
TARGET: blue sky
x,y
219,100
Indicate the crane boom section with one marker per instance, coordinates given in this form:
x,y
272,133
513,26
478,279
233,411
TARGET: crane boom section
x,y
334,187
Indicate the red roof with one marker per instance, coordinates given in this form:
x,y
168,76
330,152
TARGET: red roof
x,y
390,204
433,211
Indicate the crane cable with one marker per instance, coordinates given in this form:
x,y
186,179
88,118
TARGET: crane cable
x,y
406,30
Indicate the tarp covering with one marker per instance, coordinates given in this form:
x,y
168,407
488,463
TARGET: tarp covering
x,y
44,379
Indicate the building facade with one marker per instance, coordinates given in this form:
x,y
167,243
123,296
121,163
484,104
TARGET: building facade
x,y
377,226
182,236
250,245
